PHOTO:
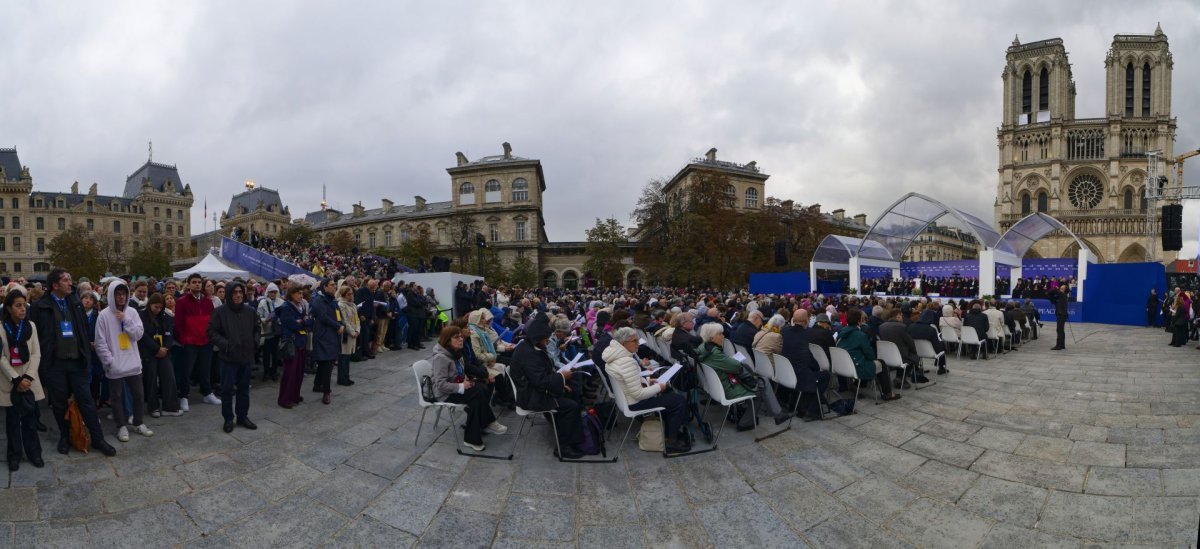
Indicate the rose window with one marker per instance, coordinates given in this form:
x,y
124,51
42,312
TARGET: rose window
x,y
1085,192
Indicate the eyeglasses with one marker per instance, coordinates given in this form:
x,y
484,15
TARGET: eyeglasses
x,y
457,336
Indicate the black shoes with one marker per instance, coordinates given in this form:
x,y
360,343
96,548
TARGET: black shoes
x,y
922,379
1057,348
346,383
245,422
37,462
228,426
14,464
41,427
568,453
676,446
64,445
104,447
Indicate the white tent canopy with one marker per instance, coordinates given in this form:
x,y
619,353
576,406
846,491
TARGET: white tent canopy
x,y
213,267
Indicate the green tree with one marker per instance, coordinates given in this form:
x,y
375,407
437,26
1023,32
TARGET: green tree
x,y
523,273
76,251
463,229
341,242
149,261
604,251
413,250
300,235
493,270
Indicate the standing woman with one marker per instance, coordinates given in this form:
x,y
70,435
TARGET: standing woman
x,y
1179,320
294,325
158,374
20,388
348,316
327,333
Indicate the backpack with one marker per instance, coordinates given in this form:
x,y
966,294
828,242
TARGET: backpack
x,y
650,437
843,407
593,434
427,389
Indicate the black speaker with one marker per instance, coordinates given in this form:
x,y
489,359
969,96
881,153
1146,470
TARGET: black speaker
x,y
1172,227
780,253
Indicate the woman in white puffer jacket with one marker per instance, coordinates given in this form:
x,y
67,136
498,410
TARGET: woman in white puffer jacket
x,y
624,368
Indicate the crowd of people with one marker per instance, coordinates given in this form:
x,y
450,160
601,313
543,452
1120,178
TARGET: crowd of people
x,y
323,261
1039,287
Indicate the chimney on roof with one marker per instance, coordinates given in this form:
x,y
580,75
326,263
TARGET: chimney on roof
x,y
420,203
711,155
462,159
359,211
387,205
507,149
788,204
92,189
815,208
75,188
861,219
839,214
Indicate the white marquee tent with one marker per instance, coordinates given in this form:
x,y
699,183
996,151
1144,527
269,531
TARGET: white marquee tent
x,y
214,267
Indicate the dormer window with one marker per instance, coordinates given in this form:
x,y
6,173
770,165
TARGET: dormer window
x,y
466,193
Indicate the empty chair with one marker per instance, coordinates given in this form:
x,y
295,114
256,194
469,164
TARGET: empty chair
x,y
423,369
925,351
889,353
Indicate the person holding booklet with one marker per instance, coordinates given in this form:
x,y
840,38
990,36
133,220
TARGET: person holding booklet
x,y
624,367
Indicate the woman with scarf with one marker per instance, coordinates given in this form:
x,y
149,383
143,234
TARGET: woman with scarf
x,y
20,388
294,326
158,374
486,343
458,381
348,316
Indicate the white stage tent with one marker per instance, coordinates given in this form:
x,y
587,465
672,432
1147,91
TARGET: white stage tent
x,y
213,267
1033,227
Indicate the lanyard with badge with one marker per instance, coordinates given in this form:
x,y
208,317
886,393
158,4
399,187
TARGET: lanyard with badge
x,y
14,352
66,327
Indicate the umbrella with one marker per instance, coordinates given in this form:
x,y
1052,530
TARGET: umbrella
x,y
304,280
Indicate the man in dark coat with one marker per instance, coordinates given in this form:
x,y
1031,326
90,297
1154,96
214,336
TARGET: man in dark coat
x,y
233,329
364,299
894,330
415,311
926,328
1151,308
66,351
1060,317
810,380
744,334
327,336
977,321
541,387
463,301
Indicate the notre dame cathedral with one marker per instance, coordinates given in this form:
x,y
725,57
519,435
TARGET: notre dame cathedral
x,y
1089,173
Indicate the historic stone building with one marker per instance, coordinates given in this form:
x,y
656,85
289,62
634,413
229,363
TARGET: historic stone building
x,y
1090,173
154,210
258,211
942,243
744,183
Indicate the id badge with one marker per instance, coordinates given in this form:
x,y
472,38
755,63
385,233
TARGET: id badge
x,y
159,339
339,315
15,357
123,341
302,332
68,331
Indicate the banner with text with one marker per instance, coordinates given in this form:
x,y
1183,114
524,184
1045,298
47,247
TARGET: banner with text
x,y
260,264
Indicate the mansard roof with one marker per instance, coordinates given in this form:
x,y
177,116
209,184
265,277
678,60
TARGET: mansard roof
x,y
247,202
158,174
11,164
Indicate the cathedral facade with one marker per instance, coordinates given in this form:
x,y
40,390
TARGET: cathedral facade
x,y
1089,173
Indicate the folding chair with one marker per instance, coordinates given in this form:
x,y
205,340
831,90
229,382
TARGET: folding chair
x,y
745,352
727,348
951,336
785,375
822,359
970,337
762,364
843,366
524,415
924,351
889,353
623,406
711,383
422,368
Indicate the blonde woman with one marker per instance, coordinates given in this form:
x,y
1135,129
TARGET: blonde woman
x,y
485,342
347,314
768,340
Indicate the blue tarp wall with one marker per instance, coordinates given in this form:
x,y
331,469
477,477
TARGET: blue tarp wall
x,y
795,282
259,263
1116,292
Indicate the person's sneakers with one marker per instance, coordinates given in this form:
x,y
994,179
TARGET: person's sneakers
x,y
156,414
245,422
104,447
123,434
143,430
496,428
176,413
228,427
183,405
212,399
476,447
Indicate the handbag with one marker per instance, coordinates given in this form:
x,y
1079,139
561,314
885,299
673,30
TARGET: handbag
x,y
287,348
80,438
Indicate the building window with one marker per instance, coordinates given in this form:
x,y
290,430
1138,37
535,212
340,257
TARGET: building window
x,y
1142,194
156,211
491,191
1129,89
89,206
387,239
16,222
730,196
520,231
441,235
117,227
549,279
62,224
17,267
371,240
570,280
1043,202
520,190
41,267
751,198
137,228
91,225
168,213
40,223
466,193
1146,89
1128,202
358,238
179,214
1,243
15,205
1025,204
1085,192
404,234
1044,90
1085,144
3,266
1026,93
493,232
41,245
1,222
16,244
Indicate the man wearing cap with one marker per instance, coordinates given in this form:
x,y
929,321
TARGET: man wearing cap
x,y
541,387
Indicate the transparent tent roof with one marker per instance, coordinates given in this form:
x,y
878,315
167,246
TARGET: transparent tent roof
x,y
895,230
838,249
1031,228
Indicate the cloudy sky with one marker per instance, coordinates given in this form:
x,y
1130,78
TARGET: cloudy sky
x,y
846,107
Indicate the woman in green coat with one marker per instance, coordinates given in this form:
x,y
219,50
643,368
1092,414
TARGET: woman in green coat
x,y
711,354
862,351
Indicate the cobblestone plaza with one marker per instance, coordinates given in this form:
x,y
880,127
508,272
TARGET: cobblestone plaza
x,y
1098,445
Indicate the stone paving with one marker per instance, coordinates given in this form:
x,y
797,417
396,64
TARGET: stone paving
x,y
1095,446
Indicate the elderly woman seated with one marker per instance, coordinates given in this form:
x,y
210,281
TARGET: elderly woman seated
x,y
950,318
486,342
625,368
563,347
454,380
734,380
769,340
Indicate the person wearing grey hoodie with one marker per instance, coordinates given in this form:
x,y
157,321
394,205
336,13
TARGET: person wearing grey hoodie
x,y
270,331
118,328
234,329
